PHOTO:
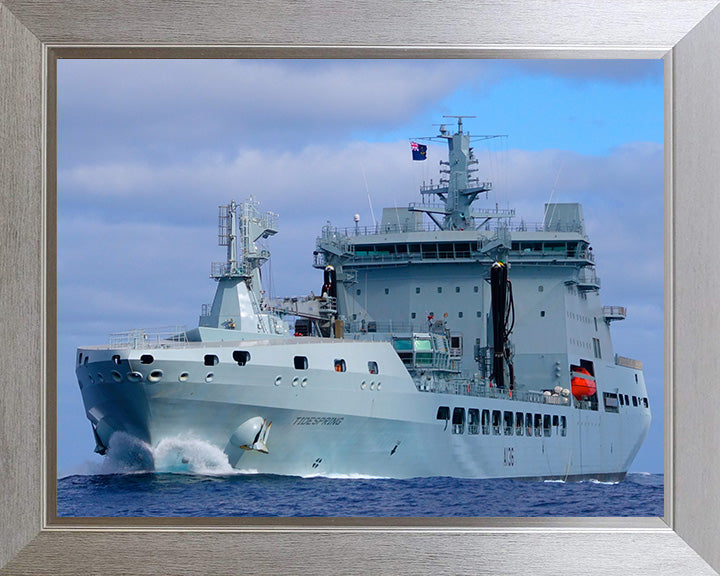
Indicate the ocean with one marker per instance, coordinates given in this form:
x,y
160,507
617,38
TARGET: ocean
x,y
183,478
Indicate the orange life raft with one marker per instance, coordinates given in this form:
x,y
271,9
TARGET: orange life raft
x,y
583,384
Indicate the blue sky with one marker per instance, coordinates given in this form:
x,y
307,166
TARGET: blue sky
x,y
147,150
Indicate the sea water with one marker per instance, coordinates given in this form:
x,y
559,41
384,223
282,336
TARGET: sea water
x,y
185,477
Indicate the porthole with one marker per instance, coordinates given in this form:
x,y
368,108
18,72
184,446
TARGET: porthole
x,y
379,385
183,376
100,377
116,375
363,385
91,379
372,385
134,376
209,377
155,376
295,381
278,380
303,383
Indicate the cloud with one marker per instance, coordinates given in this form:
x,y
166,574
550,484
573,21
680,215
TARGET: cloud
x,y
162,108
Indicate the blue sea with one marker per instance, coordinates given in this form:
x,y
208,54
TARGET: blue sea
x,y
189,478
188,494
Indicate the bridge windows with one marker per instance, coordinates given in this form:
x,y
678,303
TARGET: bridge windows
x,y
486,422
473,421
496,422
458,421
508,423
547,430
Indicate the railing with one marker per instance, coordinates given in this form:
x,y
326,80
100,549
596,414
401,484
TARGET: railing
x,y
162,337
522,226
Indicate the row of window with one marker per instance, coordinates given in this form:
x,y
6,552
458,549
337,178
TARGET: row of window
x,y
417,290
506,423
242,357
611,401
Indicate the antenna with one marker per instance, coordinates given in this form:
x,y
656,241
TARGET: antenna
x,y
459,119
372,214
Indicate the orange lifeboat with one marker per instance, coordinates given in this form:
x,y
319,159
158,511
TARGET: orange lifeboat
x,y
583,384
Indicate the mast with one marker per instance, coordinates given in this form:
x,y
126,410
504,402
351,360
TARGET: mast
x,y
458,190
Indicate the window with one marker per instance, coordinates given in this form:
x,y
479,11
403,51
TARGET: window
x,y
211,360
546,425
457,289
563,426
627,400
417,290
301,362
146,359
540,288
372,367
486,422
519,424
473,421
610,401
508,423
339,364
478,314
116,359
555,421
387,290
645,402
596,328
413,315
475,289
538,424
443,413
622,400
439,289
242,357
635,402
460,314
542,313
458,421
528,424
358,291
496,422
596,348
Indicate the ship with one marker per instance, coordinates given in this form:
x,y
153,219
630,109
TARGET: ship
x,y
447,340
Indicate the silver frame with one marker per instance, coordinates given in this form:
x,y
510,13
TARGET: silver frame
x,y
33,35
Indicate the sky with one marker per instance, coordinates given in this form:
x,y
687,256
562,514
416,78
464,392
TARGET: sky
x,y
148,149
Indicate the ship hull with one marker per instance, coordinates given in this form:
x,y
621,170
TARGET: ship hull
x,y
344,423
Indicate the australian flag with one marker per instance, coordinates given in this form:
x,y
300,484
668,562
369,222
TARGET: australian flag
x,y
419,151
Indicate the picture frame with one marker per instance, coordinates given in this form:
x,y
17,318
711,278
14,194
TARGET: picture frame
x,y
33,36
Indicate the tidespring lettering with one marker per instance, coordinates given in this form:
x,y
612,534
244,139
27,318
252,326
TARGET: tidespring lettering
x,y
317,421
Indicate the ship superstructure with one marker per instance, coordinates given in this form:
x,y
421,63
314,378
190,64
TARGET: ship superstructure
x,y
447,340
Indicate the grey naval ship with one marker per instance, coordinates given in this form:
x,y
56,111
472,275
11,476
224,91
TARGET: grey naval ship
x,y
447,340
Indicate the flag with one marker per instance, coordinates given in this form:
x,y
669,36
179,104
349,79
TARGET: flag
x,y
419,151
